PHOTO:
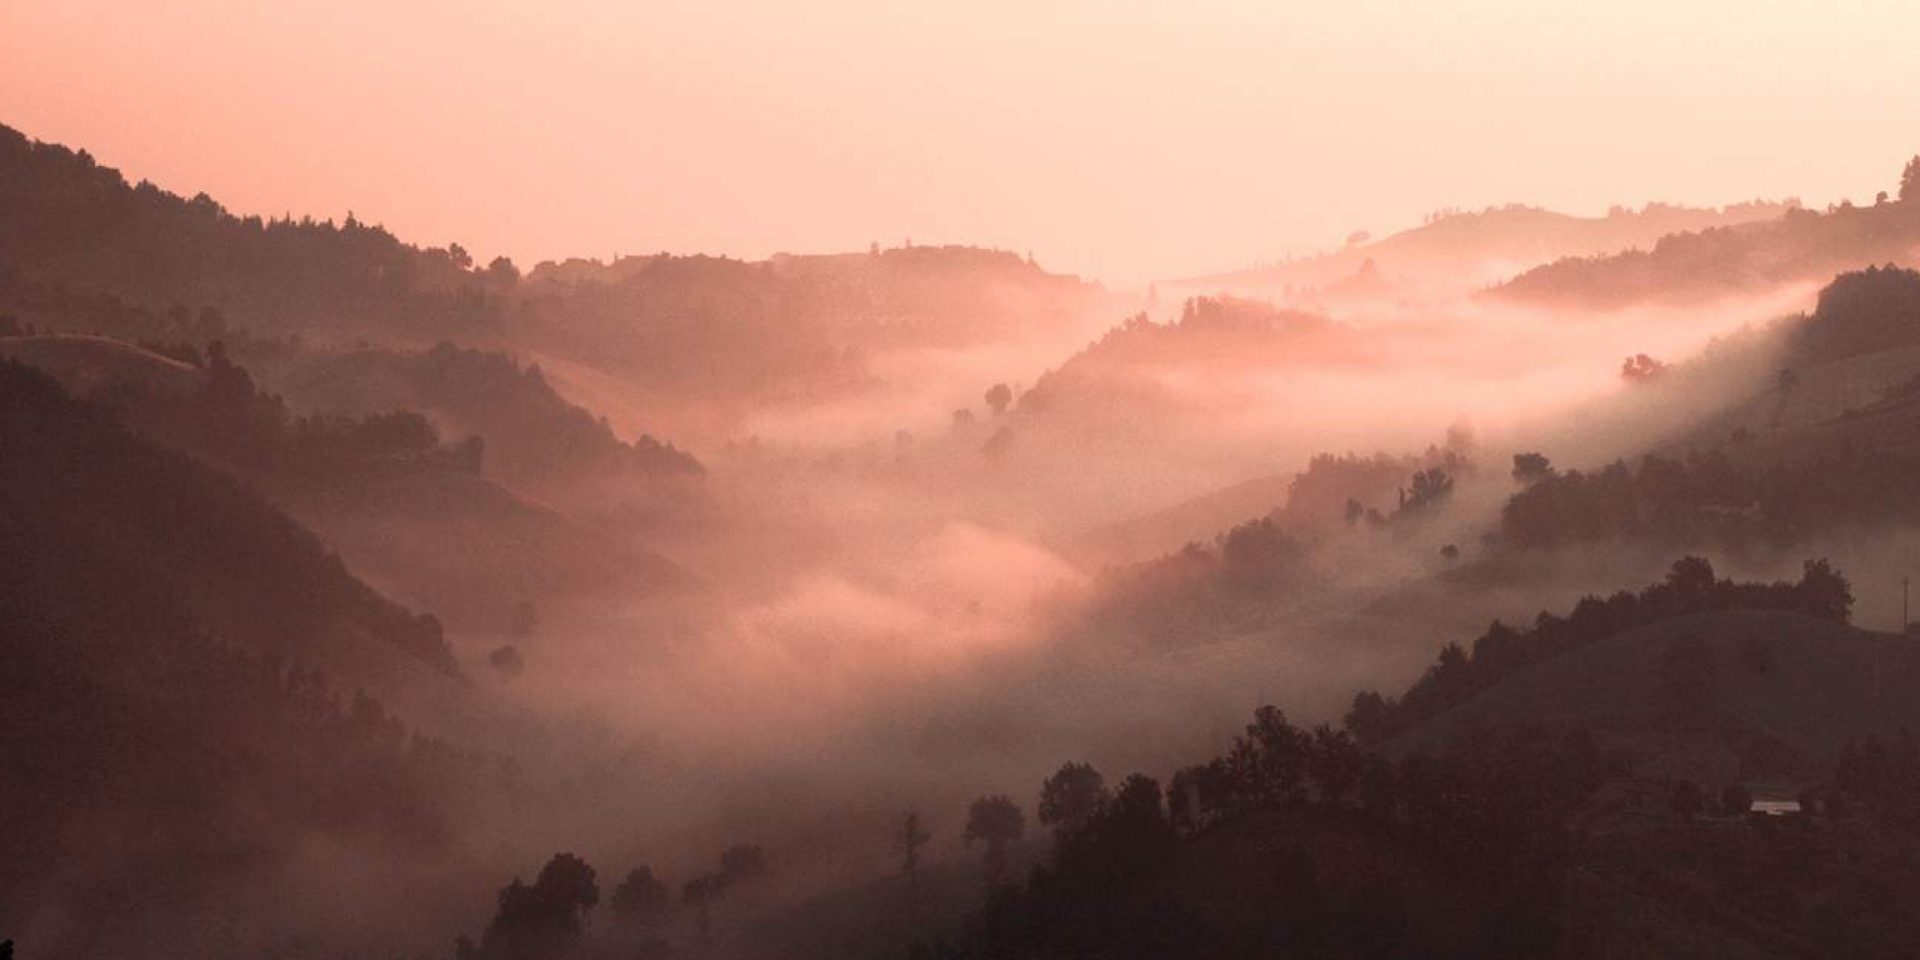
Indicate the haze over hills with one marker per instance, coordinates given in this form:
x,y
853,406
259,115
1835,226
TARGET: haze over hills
x,y
1462,250
1698,266
689,606
741,336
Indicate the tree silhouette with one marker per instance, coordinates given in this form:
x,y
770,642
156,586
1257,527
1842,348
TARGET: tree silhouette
x,y
913,836
1910,181
1823,592
738,863
998,397
1071,796
1428,489
1529,467
507,661
995,821
544,920
1641,368
642,899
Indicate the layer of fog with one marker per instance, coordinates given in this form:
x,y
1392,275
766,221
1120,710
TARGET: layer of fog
x,y
876,630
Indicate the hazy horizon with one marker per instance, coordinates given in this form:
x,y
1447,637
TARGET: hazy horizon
x,y
1524,587
1125,144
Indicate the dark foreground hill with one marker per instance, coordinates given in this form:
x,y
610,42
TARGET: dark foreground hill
x,y
1579,788
1786,691
173,743
420,516
86,498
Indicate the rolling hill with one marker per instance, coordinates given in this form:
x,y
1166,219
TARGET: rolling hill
x,y
422,519
83,493
1467,249
1790,686
1802,247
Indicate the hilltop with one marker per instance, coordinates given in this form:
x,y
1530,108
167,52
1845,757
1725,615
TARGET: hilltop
x,y
1801,247
1468,248
1785,691
701,341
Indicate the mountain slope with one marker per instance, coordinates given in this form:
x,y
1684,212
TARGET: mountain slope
x,y
1472,248
1802,247
81,493
1805,684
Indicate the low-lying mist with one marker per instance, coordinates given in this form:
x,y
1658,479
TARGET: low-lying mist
x,y
893,615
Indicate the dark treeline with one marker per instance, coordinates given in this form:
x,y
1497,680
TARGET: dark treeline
x,y
1690,587
533,435
1708,499
1349,488
83,494
1211,590
229,420
1299,843
548,918
787,328
1859,313
73,221
790,326
1319,843
1800,246
41,306
1203,590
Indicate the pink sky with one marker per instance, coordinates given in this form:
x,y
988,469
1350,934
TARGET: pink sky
x,y
1127,141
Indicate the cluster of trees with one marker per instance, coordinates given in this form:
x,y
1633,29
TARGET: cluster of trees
x,y
1316,842
534,436
1707,499
1216,334
1138,873
230,421
1202,589
1641,368
1861,312
1690,587
1349,488
32,305
548,919
791,327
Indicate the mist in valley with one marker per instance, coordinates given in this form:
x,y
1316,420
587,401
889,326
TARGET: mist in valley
x,y
1446,590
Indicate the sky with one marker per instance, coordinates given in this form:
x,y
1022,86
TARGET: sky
x,y
1119,140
